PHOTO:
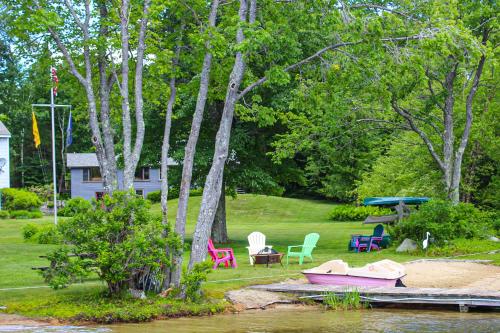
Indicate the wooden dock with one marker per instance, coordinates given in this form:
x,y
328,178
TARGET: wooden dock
x,y
463,298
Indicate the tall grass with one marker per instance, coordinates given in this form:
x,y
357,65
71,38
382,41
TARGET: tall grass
x,y
349,300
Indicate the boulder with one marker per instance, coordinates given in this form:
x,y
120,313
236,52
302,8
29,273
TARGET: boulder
x,y
407,245
139,294
493,239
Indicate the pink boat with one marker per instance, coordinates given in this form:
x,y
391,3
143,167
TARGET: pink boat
x,y
384,273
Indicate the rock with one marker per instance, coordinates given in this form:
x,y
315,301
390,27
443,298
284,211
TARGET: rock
x,y
494,239
256,299
139,294
408,245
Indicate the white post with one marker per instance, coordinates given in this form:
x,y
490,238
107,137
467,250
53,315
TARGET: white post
x,y
53,148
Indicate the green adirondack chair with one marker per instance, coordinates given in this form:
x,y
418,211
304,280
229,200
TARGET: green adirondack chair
x,y
306,249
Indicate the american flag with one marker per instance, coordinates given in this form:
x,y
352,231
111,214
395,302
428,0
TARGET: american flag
x,y
55,79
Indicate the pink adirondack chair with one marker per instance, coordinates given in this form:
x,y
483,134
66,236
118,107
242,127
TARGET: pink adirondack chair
x,y
219,256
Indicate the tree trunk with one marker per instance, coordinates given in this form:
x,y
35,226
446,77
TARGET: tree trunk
x,y
131,156
189,152
219,227
106,83
107,164
164,166
213,183
454,194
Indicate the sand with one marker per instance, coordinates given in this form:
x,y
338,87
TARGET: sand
x,y
452,274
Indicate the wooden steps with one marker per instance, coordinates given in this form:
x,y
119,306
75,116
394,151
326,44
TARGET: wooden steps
x,y
464,298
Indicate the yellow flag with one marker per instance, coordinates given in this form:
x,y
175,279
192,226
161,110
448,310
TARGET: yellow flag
x,y
36,134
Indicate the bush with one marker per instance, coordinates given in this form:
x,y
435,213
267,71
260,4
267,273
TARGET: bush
x,y
173,193
192,280
44,192
42,234
353,213
30,230
119,239
197,192
25,214
17,199
4,214
48,234
445,222
75,206
154,196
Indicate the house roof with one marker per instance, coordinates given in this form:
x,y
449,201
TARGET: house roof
x,y
4,132
86,160
81,160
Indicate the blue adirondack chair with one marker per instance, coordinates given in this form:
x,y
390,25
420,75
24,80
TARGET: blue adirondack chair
x,y
305,249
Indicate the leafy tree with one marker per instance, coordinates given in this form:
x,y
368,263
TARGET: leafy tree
x,y
119,238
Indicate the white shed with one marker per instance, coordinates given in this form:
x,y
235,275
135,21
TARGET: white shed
x,y
4,156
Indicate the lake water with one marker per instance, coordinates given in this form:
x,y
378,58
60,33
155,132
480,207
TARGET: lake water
x,y
302,320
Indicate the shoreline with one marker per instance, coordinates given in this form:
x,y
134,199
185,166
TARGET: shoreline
x,y
432,272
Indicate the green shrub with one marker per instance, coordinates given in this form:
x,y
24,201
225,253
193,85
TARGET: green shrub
x,y
44,192
42,234
120,239
192,280
173,193
496,224
75,206
197,192
48,234
4,214
445,222
29,231
154,196
25,214
353,213
461,246
17,199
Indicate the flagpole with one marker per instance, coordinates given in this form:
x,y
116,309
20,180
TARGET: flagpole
x,y
54,176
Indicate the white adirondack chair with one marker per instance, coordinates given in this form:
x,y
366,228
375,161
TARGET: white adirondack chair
x,y
257,242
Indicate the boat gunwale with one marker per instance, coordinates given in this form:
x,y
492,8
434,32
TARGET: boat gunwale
x,y
358,276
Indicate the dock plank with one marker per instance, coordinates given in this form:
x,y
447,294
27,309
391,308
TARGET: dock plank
x,y
443,296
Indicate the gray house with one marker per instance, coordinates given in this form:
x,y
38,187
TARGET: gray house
x,y
86,181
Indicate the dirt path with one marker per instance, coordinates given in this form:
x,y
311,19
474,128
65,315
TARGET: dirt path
x,y
449,274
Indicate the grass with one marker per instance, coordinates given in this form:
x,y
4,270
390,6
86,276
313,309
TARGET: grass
x,y
284,221
350,300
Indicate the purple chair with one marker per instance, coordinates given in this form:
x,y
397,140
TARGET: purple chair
x,y
368,243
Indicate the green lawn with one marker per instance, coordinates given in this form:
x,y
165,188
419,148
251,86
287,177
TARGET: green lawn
x,y
284,221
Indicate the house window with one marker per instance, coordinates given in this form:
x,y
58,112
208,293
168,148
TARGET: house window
x,y
142,174
92,174
99,195
140,193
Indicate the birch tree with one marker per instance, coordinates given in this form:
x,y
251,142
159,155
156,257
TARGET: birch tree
x,y
190,149
213,183
83,34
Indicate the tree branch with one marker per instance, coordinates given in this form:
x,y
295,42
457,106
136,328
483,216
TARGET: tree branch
x,y
326,49
67,56
71,9
139,102
422,135
386,9
433,95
